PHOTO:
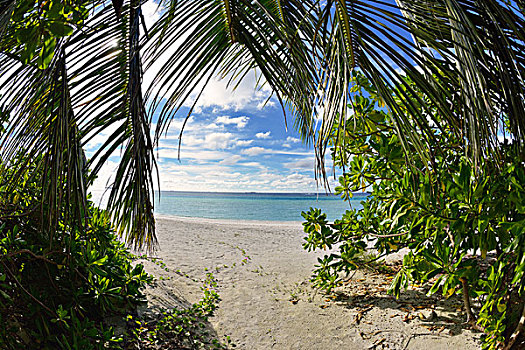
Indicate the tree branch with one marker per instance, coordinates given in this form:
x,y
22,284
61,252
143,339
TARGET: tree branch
x,y
471,319
517,331
26,291
39,257
387,236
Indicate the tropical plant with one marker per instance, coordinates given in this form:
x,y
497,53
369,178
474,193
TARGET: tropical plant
x,y
63,80
180,328
464,232
68,291
56,288
62,84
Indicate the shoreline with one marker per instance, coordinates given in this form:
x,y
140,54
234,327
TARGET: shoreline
x,y
220,221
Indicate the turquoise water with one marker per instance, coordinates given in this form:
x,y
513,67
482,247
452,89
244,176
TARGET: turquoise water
x,y
251,206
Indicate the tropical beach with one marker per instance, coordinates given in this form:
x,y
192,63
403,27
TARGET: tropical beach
x,y
267,301
278,174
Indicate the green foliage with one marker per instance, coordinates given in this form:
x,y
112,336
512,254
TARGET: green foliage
x,y
180,328
57,287
58,298
36,28
71,69
463,224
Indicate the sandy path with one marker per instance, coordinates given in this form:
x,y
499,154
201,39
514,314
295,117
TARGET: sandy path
x,y
261,268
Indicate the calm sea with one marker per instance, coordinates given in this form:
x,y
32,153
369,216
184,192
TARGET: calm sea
x,y
251,206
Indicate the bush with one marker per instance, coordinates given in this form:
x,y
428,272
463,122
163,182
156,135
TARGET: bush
x,y
462,223
57,286
181,329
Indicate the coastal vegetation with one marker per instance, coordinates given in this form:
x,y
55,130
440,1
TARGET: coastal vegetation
x,y
73,69
61,288
56,287
460,225
445,85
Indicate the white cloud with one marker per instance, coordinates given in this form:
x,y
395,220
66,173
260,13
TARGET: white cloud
x,y
263,104
240,122
191,153
292,153
263,135
188,141
219,140
151,12
254,151
254,176
289,140
220,96
102,185
221,176
231,160
100,136
199,133
302,164
253,164
294,180
243,143
194,126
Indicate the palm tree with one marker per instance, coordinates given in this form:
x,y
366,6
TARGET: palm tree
x,y
62,83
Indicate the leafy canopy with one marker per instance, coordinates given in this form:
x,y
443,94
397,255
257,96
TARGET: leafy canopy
x,y
62,83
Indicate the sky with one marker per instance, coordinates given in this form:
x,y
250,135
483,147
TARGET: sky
x,y
232,142
235,141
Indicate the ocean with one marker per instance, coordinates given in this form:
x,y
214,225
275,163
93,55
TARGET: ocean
x,y
251,206
246,206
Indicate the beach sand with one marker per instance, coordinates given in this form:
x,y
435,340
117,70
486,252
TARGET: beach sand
x,y
267,301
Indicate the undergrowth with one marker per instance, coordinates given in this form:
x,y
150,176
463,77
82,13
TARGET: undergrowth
x,y
60,286
179,328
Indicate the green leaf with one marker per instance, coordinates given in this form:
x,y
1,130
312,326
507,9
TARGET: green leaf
x,y
59,29
5,295
433,274
46,53
100,261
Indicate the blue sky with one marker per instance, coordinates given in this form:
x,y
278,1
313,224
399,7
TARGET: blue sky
x,y
231,143
234,141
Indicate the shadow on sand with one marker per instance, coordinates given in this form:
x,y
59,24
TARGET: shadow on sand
x,y
423,316
169,322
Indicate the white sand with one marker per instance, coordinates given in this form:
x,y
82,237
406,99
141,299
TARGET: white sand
x,y
256,308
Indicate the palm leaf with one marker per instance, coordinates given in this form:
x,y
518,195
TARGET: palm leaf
x,y
230,38
55,111
43,133
465,57
108,93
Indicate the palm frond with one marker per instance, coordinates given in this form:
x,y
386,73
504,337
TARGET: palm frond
x,y
43,133
92,83
108,95
132,193
465,57
230,38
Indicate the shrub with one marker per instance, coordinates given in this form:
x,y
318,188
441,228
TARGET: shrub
x,y
57,287
463,223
